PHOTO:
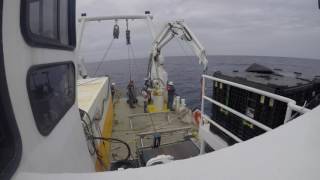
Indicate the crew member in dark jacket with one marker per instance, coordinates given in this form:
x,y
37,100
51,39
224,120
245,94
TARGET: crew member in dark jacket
x,y
113,90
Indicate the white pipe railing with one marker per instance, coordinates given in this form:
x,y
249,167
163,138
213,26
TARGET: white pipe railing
x,y
116,17
251,89
260,125
291,106
222,129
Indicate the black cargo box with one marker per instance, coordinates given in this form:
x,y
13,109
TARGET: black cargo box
x,y
263,109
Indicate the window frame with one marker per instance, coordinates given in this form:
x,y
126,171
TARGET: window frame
x,y
65,110
40,41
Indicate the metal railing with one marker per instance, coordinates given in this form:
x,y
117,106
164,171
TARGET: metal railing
x,y
291,106
184,130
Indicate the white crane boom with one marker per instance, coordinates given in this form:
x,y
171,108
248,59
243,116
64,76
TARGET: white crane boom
x,y
169,31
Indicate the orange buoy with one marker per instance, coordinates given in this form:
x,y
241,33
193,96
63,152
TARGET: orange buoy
x,y
197,116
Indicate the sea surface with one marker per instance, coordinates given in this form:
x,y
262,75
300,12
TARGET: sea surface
x,y
185,71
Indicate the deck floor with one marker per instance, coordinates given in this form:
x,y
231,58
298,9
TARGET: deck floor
x,y
145,123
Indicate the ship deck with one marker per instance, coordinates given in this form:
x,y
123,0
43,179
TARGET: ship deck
x,y
137,128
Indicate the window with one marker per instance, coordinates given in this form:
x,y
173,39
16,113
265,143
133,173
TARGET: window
x,y
51,89
49,23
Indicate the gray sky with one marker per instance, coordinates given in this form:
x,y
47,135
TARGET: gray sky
x,y
289,28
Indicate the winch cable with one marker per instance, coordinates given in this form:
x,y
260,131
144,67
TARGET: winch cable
x,y
116,32
91,138
129,59
103,57
131,54
114,140
133,58
205,71
128,42
184,50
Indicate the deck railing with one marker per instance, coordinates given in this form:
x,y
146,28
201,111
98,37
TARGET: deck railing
x,y
207,137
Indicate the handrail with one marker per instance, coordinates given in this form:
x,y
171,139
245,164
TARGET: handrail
x,y
115,17
164,131
222,129
143,134
251,89
291,106
260,125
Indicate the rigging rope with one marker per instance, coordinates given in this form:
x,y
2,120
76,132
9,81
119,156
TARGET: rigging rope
x,y
89,133
129,59
134,65
183,49
132,52
131,55
103,57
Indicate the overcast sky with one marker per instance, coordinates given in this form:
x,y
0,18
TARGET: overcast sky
x,y
288,28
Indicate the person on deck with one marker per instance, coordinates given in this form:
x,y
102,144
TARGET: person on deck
x,y
145,96
113,89
171,94
146,83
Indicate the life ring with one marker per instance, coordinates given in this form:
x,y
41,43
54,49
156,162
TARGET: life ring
x,y
197,116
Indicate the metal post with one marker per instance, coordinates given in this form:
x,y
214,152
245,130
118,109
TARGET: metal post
x,y
79,59
130,121
202,146
141,141
288,113
80,34
202,98
202,142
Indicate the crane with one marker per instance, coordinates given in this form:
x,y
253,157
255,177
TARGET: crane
x,y
157,76
156,72
171,30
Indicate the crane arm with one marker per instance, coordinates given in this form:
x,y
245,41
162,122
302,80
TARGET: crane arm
x,y
171,30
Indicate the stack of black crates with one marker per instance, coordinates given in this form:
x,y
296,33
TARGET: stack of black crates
x,y
265,110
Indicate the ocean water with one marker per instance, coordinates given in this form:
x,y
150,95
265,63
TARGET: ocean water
x,y
185,71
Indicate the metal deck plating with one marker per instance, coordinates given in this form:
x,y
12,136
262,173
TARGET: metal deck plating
x,y
137,128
